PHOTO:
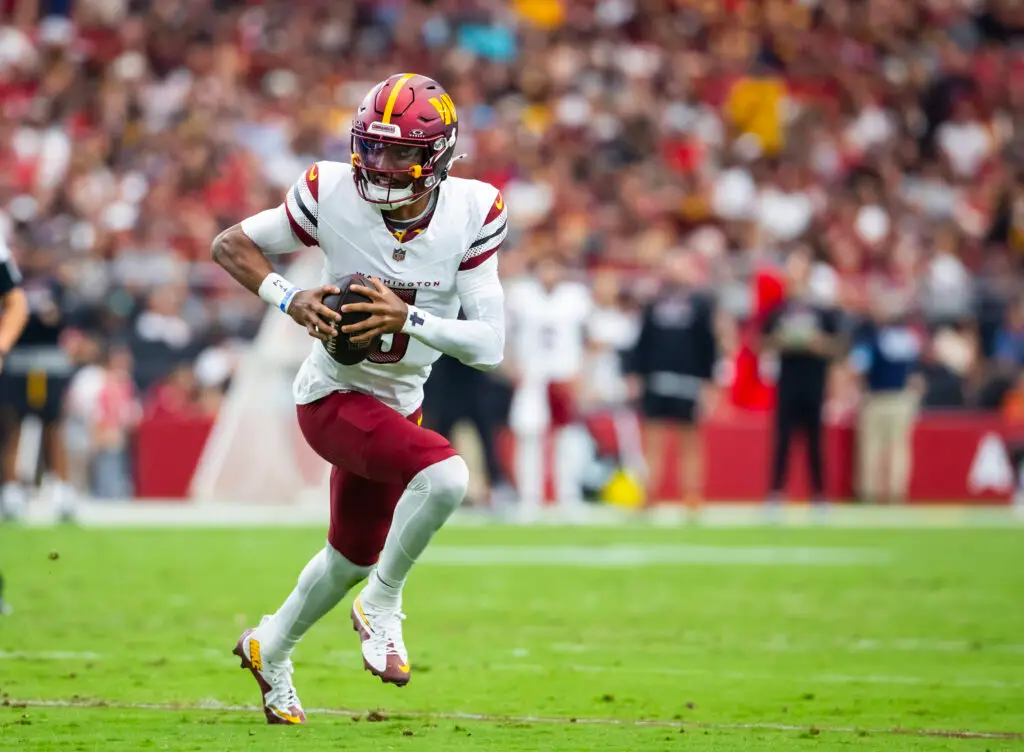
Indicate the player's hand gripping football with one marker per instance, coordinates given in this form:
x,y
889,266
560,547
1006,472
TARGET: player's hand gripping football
x,y
387,313
308,310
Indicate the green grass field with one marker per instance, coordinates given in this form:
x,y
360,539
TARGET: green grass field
x,y
530,639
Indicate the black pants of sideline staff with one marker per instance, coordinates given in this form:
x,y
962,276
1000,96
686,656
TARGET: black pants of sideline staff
x,y
798,413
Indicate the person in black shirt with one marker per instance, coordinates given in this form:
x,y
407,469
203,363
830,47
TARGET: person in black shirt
x,y
671,368
805,334
36,375
13,305
13,317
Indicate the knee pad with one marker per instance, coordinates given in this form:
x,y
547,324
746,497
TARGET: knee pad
x,y
447,481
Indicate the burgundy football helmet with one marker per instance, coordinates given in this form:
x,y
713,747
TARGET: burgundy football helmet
x,y
403,140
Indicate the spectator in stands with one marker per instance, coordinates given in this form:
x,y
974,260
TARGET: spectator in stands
x,y
161,339
176,395
1009,344
947,361
117,412
886,355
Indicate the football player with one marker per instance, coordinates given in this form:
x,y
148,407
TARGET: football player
x,y
428,242
548,315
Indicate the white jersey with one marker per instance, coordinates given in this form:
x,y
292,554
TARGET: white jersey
x,y
548,329
611,331
467,227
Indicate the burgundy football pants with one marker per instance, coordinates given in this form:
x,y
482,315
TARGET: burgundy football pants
x,y
375,452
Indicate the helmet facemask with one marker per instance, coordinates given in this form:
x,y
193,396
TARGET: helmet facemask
x,y
395,171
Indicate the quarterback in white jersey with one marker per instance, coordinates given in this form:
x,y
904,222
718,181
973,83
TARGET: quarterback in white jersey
x,y
428,243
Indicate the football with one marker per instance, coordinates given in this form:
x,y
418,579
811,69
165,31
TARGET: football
x,y
339,347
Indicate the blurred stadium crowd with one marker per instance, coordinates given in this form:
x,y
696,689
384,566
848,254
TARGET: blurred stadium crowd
x,y
885,136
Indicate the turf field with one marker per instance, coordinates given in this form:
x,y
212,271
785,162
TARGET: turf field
x,y
549,639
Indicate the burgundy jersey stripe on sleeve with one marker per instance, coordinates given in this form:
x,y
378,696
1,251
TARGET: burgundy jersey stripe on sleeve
x,y
300,233
303,205
490,238
474,261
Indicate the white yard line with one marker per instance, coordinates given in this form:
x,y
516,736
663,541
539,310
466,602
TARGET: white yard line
x,y
488,718
786,644
152,513
687,644
619,555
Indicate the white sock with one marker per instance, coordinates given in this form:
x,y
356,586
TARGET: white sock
x,y
429,500
63,497
529,467
571,445
627,434
322,584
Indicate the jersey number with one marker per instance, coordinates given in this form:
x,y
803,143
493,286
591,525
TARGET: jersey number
x,y
399,341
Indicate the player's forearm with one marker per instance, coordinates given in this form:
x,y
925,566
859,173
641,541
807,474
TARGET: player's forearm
x,y
13,320
241,258
478,340
476,343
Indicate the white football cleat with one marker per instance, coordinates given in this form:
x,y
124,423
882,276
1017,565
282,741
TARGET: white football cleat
x,y
384,653
280,702
13,502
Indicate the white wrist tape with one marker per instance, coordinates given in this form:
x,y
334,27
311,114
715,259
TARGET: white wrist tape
x,y
277,291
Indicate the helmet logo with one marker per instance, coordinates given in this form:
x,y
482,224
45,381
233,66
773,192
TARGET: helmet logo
x,y
385,129
445,108
417,133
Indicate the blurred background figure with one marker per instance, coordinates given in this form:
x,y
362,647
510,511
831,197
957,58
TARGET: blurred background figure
x,y
464,394
672,367
805,335
886,355
14,315
103,410
547,323
36,375
13,305
612,330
